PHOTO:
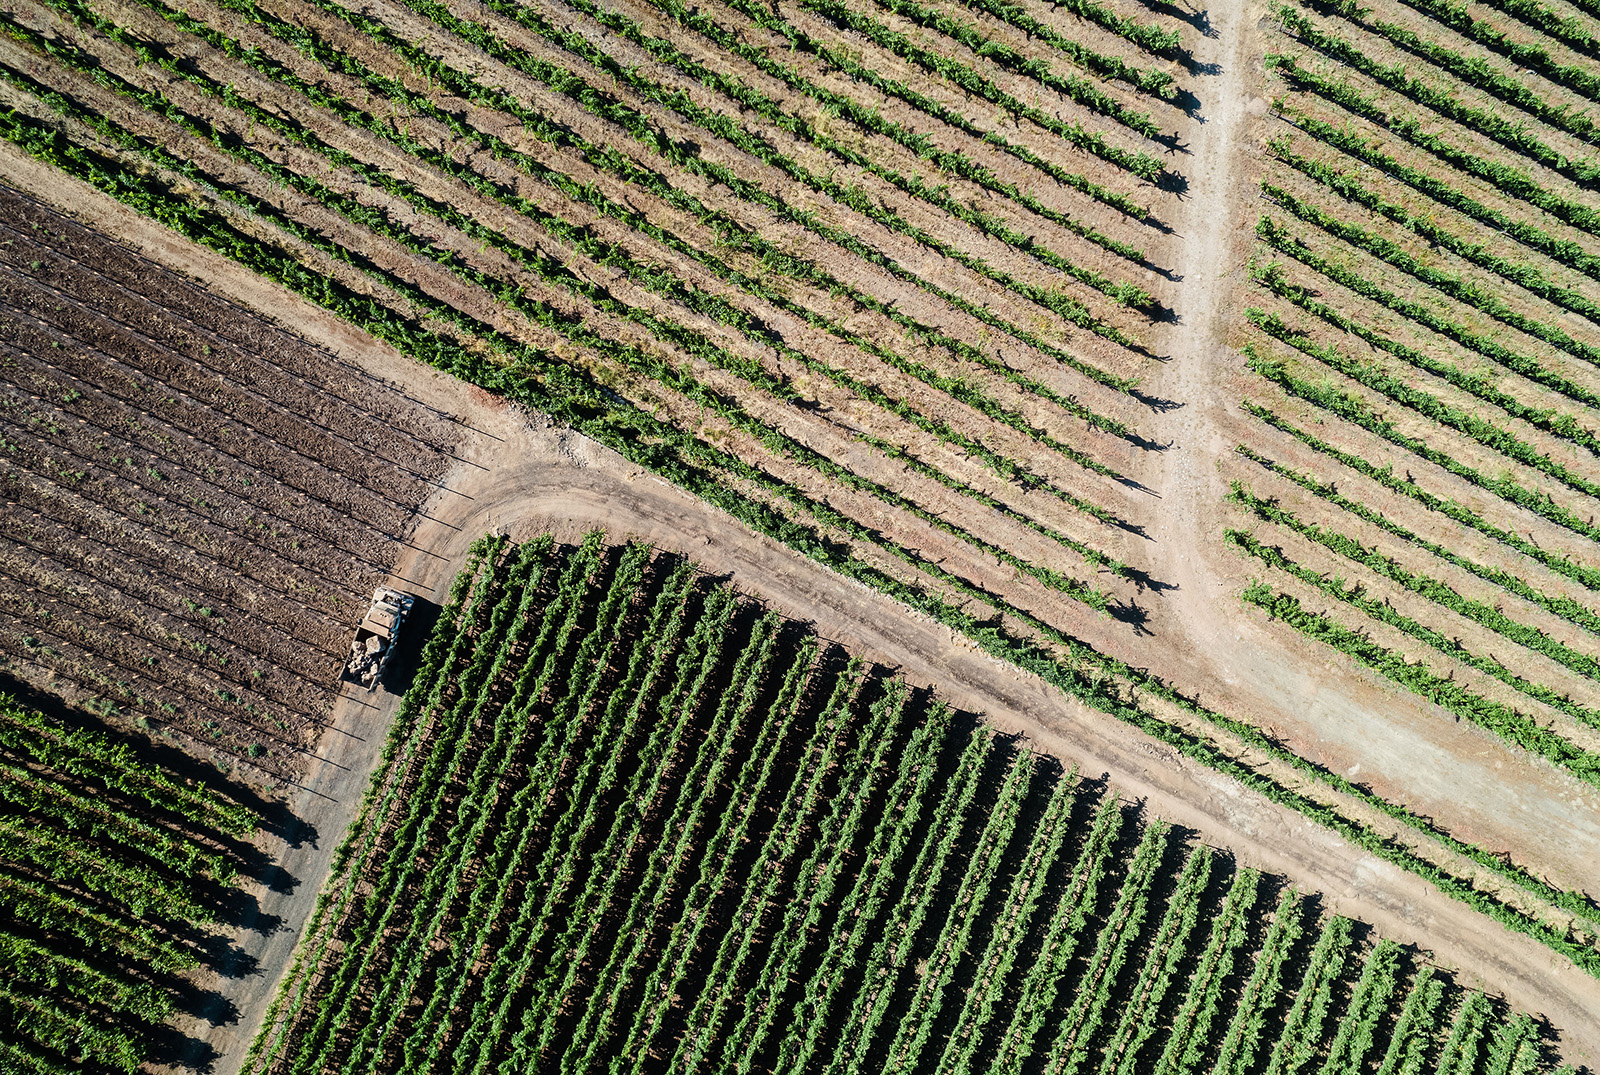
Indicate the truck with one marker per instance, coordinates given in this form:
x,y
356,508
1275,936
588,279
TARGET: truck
x,y
377,636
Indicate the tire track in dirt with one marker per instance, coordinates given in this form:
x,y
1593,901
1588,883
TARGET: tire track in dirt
x,y
538,478
1499,797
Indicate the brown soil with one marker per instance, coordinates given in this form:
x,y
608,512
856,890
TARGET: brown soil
x,y
519,475
190,527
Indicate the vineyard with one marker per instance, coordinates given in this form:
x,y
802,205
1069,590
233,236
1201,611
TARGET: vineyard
x,y
113,871
1228,375
630,820
1418,489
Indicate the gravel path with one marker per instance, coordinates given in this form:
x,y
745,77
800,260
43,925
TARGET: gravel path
x,y
525,477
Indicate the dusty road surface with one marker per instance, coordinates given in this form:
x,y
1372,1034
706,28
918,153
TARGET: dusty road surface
x,y
518,474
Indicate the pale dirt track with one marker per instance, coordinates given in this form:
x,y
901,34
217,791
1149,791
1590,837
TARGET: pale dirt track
x,y
523,477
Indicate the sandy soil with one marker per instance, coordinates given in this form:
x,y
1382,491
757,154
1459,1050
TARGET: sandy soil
x,y
524,476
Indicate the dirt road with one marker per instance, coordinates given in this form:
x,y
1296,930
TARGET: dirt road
x,y
523,476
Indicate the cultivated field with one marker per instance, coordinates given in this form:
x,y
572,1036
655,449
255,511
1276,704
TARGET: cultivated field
x,y
1228,371
113,872
196,505
630,821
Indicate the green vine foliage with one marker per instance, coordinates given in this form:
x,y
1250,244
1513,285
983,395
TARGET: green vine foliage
x,y
755,498
1510,724
112,871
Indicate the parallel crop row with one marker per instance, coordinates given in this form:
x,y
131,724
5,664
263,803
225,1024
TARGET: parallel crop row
x,y
1513,136
908,874
1450,509
573,395
801,41
1512,181
110,865
1359,413
874,121
1457,287
1559,604
1272,278
1444,414
579,331
1511,724
1357,148
1476,72
722,127
1530,54
1438,592
1148,80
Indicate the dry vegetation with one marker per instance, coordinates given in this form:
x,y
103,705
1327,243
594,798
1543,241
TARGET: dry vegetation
x,y
935,293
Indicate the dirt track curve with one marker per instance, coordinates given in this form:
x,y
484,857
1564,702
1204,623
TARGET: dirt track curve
x,y
523,476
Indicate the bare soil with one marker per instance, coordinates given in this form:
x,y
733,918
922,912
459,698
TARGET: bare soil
x,y
195,502
512,472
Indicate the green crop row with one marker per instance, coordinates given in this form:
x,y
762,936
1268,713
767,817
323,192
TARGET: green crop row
x,y
1271,277
1303,1022
447,761
1512,725
1359,413
585,239
872,120
1358,1032
1512,135
1119,937
705,1040
913,862
1448,194
1566,29
1423,403
1558,604
1140,164
1355,595
1259,994
869,900
1520,273
1189,1032
666,284
89,755
1529,54
799,41
1433,589
1147,37
90,817
752,99
1416,1027
1080,90
1513,182
920,1016
1067,931
1385,476
610,893
640,128
1017,920
1478,72
552,269
732,132
1459,288
566,393
1459,1053
101,908
1146,79
730,231
1483,387
700,842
